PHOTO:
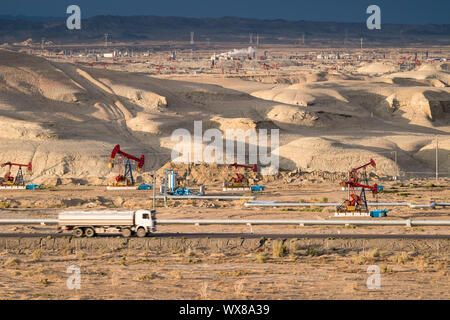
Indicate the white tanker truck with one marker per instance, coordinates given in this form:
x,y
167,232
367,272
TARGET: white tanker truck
x,y
90,223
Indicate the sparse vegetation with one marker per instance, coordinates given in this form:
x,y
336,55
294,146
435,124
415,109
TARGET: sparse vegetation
x,y
367,257
261,257
384,268
400,258
5,204
279,249
36,255
313,252
12,262
404,194
375,253
177,275
146,277
44,282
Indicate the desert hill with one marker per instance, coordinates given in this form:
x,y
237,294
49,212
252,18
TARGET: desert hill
x,y
66,118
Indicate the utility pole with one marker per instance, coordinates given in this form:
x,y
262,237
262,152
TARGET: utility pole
x,y
437,159
396,165
154,190
42,46
397,173
106,40
165,191
188,174
448,164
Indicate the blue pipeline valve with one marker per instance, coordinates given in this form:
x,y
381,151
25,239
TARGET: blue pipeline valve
x,y
183,191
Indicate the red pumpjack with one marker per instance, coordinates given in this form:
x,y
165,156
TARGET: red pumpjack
x,y
126,178
240,180
18,180
355,202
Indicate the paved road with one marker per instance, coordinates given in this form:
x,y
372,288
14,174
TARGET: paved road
x,y
249,235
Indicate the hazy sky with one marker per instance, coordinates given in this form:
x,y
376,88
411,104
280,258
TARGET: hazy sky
x,y
392,11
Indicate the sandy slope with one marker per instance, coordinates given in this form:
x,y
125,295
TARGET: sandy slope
x,y
66,118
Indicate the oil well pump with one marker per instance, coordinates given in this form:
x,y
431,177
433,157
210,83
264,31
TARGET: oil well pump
x,y
125,176
240,181
9,180
356,204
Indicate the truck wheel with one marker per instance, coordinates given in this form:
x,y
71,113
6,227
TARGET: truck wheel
x,y
89,232
78,232
126,232
141,233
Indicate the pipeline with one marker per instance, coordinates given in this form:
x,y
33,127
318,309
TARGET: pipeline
x,y
308,222
432,205
399,222
218,197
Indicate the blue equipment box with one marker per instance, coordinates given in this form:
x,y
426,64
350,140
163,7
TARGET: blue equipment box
x,y
33,186
378,213
258,188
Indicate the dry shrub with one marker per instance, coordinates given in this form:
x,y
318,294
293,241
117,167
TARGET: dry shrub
x,y
177,275
400,258
421,262
375,253
384,268
190,253
313,252
362,259
279,249
439,265
367,257
36,255
261,257
12,262
292,256
146,277
43,281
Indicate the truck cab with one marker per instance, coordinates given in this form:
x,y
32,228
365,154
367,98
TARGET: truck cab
x,y
145,219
